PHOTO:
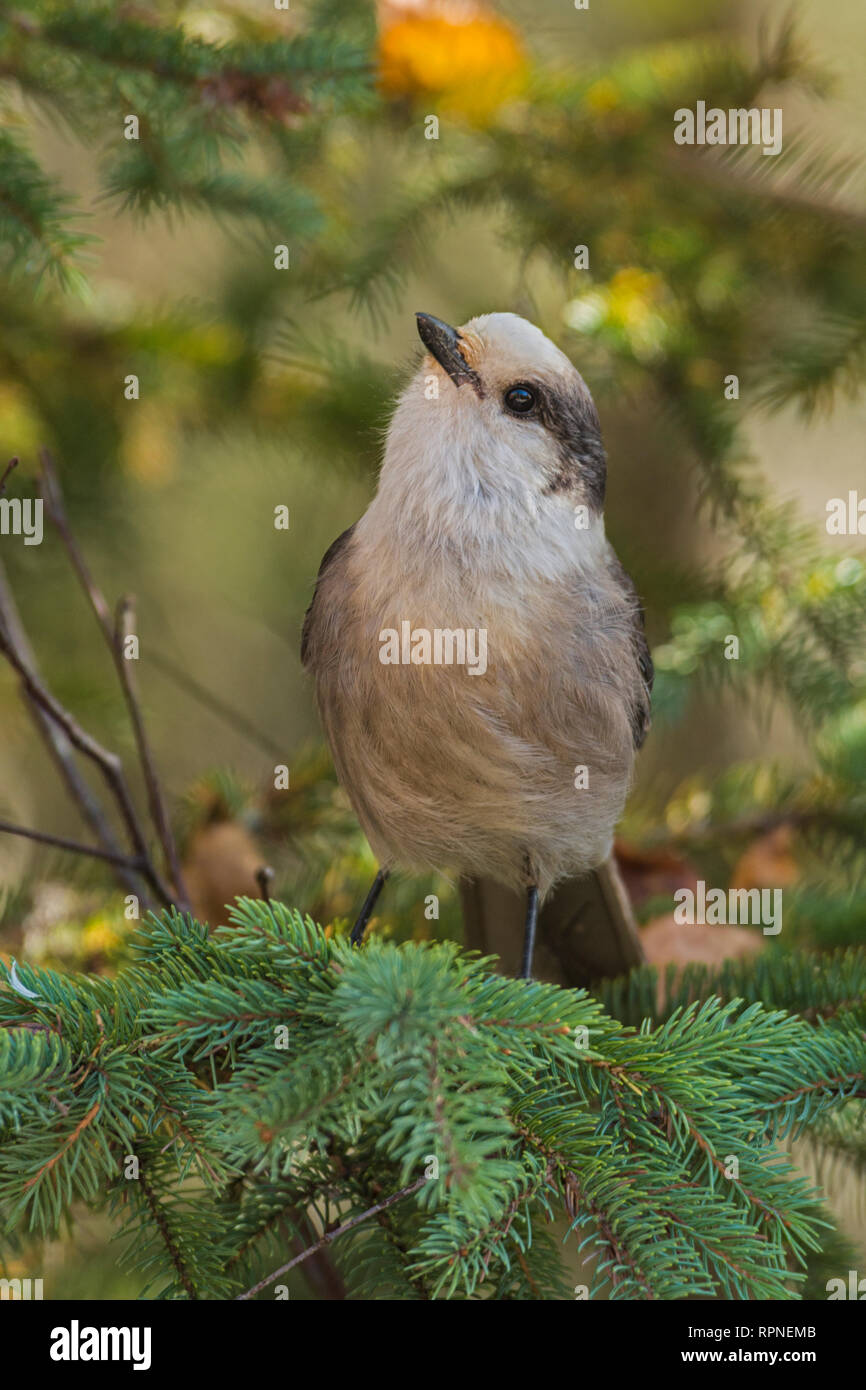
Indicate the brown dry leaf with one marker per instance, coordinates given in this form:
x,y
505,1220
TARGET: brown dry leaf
x,y
666,941
220,865
653,873
768,862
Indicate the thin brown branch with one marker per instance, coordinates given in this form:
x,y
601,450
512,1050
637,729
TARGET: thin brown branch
x,y
125,628
108,763
115,635
162,1224
330,1236
324,1277
357,1173
61,751
42,837
10,467
824,1083
72,1139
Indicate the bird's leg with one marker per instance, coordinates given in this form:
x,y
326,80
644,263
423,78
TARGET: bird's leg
x,y
367,910
529,931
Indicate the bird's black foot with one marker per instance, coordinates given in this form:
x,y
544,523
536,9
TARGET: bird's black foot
x,y
367,910
529,931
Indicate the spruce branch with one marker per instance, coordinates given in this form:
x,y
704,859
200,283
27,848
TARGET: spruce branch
x,y
163,1225
68,1143
396,1055
35,219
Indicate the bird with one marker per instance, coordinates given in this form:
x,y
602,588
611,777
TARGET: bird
x,y
480,663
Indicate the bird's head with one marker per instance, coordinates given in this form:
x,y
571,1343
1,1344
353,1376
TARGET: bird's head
x,y
496,419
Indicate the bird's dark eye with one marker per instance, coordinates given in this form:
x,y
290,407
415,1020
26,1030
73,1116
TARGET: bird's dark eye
x,y
519,399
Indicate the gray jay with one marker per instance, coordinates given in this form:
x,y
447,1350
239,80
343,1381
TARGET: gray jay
x,y
481,670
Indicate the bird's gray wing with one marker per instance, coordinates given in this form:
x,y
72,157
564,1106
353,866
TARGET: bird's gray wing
x,y
587,930
644,671
330,555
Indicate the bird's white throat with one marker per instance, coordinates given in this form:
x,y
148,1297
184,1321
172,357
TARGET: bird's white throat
x,y
453,492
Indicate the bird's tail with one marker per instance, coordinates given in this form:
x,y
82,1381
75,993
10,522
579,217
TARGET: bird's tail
x,y
586,928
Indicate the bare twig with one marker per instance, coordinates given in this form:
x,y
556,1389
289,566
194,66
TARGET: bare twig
x,y
114,635
333,1235
42,837
124,628
61,751
108,763
11,465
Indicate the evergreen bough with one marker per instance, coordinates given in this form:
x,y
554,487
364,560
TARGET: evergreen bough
x,y
432,1119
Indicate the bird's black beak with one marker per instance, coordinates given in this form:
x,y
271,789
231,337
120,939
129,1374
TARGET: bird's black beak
x,y
443,342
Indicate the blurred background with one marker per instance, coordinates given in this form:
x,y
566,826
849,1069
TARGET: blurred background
x,y
261,388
